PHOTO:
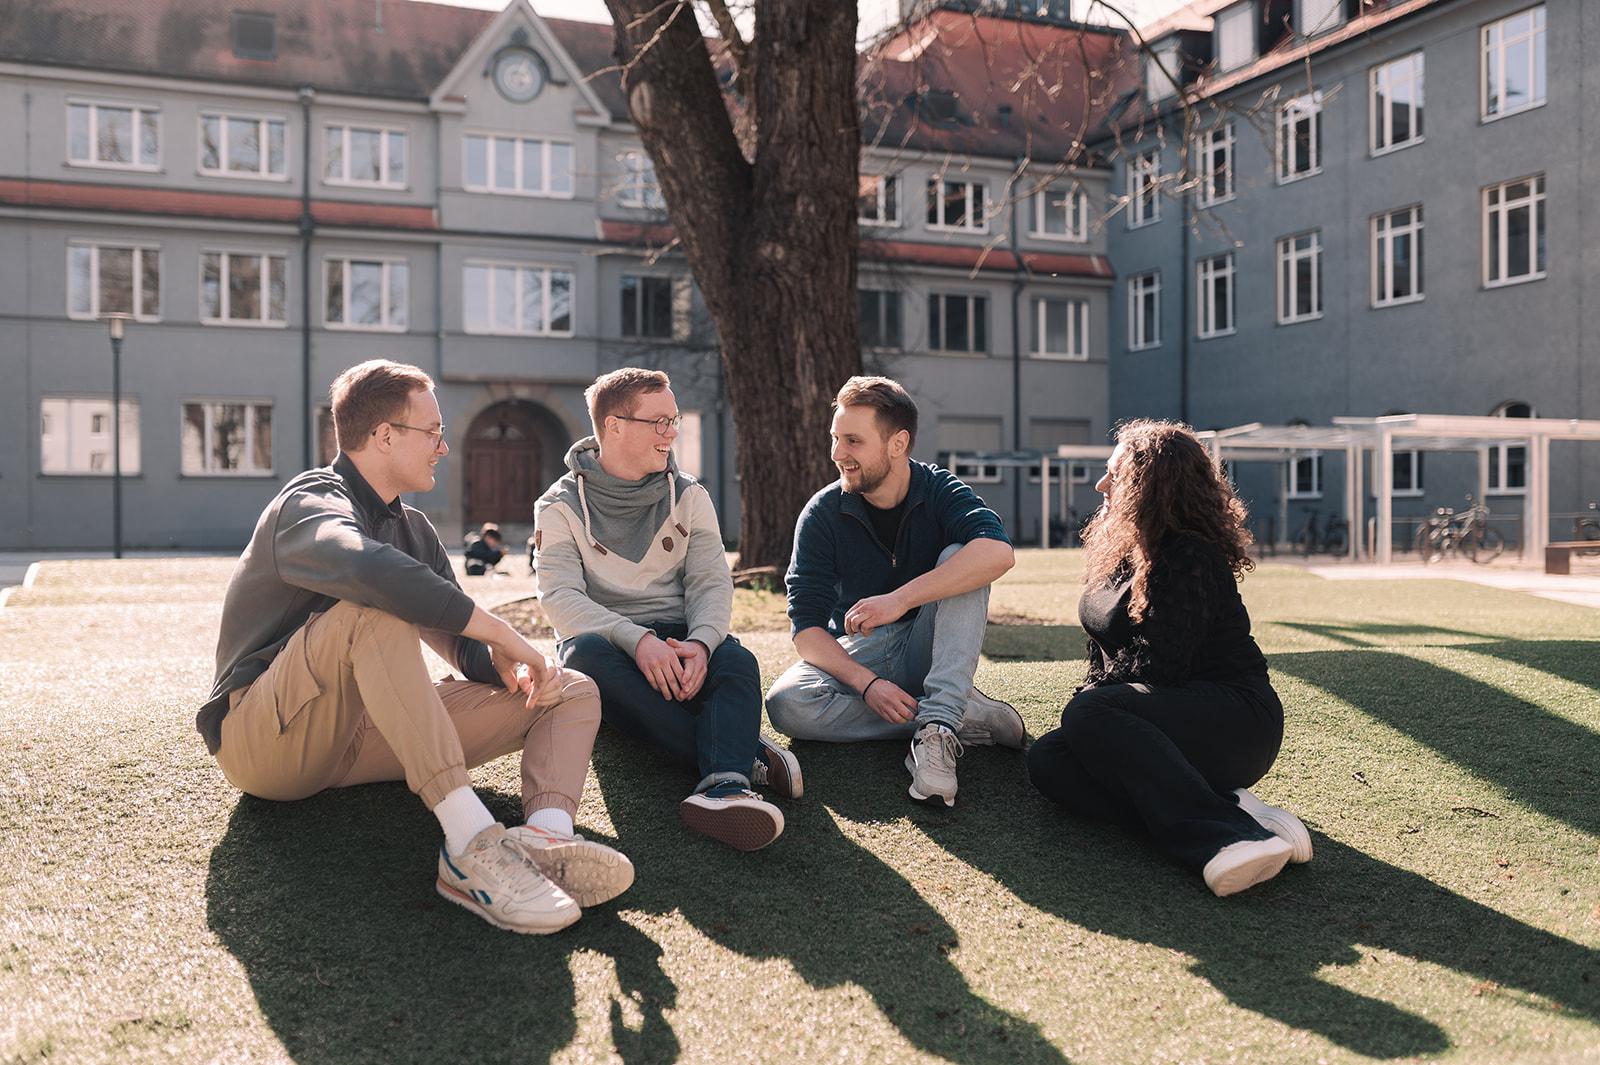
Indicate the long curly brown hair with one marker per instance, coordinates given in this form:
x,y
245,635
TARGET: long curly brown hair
x,y
1166,483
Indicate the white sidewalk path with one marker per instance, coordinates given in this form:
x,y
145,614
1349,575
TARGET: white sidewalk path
x,y
1582,589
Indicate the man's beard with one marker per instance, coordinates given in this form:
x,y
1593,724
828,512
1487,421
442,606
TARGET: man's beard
x,y
868,480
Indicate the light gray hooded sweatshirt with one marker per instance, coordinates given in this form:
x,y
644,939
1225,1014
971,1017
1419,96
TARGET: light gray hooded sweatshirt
x,y
615,556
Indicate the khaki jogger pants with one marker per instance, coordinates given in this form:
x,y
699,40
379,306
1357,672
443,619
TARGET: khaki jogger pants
x,y
349,701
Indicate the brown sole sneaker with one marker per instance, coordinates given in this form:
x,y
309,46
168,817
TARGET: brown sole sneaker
x,y
744,821
783,770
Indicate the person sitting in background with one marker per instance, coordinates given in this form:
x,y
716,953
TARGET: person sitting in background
x,y
1177,716
485,550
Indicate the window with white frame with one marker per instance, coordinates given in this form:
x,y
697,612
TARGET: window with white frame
x,y
1514,63
878,199
1300,277
514,299
1214,309
519,166
637,186
1144,311
956,205
958,323
1060,328
1320,16
1213,151
75,435
248,146
1144,188
1395,111
111,279
1508,463
880,318
1236,36
958,434
1397,257
1163,71
1304,476
364,155
122,136
686,448
1407,473
367,293
1513,231
1061,212
226,437
647,307
1300,138
1047,434
243,288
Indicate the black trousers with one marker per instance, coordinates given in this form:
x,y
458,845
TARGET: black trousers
x,y
1164,760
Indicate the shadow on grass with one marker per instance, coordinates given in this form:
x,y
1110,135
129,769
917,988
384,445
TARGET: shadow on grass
x,y
1265,951
1375,634
1535,756
1033,643
329,906
829,907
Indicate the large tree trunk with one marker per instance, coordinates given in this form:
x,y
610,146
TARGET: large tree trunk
x,y
771,240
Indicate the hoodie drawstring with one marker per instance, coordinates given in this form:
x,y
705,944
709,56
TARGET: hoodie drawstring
x,y
588,528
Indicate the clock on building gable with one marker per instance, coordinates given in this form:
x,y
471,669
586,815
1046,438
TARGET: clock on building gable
x,y
519,74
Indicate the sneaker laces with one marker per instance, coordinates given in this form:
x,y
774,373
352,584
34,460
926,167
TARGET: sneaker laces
x,y
947,745
759,776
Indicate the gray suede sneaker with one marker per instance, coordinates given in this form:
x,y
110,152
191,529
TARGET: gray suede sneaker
x,y
988,720
932,762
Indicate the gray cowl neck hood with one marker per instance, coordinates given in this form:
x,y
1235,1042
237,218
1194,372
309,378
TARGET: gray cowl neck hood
x,y
623,516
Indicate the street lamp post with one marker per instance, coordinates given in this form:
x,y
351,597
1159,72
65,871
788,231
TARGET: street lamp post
x,y
115,323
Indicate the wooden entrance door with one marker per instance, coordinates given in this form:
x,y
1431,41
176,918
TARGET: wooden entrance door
x,y
504,465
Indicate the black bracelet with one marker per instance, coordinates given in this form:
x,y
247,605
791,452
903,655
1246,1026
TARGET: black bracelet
x,y
868,688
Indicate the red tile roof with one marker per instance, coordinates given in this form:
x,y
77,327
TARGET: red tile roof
x,y
160,201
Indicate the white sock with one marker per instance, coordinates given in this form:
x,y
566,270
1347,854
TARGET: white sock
x,y
462,815
552,820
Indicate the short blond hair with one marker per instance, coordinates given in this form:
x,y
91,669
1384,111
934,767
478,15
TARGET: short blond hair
x,y
616,393
369,394
890,402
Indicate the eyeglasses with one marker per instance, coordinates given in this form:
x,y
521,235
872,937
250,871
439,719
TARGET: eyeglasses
x,y
437,434
661,424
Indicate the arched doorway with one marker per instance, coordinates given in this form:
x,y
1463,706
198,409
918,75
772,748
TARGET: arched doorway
x,y
505,464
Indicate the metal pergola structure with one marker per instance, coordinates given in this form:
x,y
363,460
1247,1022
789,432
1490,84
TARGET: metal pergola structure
x,y
1054,470
1356,437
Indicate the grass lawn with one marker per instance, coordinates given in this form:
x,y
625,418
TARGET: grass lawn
x,y
1443,744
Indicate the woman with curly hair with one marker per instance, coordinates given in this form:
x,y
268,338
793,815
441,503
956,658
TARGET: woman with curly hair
x,y
1177,717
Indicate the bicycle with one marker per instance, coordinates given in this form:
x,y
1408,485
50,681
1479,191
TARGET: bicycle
x,y
1333,538
1467,533
1588,528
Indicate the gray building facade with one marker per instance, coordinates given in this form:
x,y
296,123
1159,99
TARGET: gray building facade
x,y
274,198
1365,209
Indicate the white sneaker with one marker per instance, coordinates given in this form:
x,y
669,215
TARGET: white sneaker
x,y
1280,822
591,873
1245,864
495,879
988,720
932,762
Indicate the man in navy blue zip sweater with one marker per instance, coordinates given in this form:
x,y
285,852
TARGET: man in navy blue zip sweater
x,y
888,598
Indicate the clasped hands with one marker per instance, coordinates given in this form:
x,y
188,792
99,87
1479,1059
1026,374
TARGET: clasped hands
x,y
675,668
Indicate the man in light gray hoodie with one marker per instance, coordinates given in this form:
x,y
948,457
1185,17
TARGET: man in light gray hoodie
x,y
633,578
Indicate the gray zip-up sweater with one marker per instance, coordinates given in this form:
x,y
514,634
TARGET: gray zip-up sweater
x,y
328,537
615,556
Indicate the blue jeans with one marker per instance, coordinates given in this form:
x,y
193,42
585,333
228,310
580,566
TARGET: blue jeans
x,y
716,731
933,656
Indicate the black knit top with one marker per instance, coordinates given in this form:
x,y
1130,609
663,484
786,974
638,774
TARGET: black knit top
x,y
1195,627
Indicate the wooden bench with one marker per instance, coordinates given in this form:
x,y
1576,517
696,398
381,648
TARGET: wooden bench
x,y
1558,556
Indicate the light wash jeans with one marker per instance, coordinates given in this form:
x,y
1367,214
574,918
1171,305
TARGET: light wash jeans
x,y
932,657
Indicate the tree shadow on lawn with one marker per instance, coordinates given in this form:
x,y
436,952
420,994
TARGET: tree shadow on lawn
x,y
1374,634
328,904
1533,755
829,907
1263,950
1012,642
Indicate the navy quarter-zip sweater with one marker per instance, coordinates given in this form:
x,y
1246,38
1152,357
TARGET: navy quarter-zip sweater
x,y
838,560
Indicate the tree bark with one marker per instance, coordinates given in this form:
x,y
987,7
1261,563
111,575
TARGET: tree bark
x,y
771,240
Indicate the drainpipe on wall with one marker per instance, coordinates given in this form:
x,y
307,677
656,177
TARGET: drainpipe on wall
x,y
307,227
1017,282
438,249
1188,317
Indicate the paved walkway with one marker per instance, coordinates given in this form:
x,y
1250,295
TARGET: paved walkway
x,y
1580,588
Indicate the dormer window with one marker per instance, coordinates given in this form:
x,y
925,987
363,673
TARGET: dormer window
x,y
255,36
1320,16
1236,36
1162,72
